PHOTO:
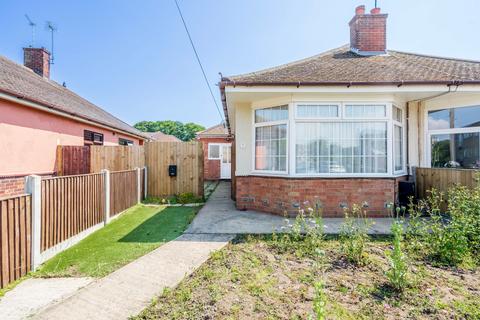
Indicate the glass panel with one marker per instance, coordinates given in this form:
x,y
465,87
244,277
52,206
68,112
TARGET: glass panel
x,y
398,147
341,147
365,111
214,151
271,114
397,114
317,111
464,117
460,150
271,148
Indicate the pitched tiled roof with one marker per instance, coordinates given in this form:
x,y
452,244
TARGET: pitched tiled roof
x,y
218,130
343,66
160,136
19,81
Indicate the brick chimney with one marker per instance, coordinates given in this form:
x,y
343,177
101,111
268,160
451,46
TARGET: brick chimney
x,y
368,32
37,59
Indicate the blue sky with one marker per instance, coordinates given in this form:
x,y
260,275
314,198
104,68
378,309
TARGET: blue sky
x,y
133,58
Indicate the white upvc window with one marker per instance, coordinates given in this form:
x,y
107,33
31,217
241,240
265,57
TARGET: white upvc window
x,y
398,140
214,151
453,137
270,139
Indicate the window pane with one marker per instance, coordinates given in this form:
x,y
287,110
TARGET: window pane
x,y
271,114
317,111
214,151
397,114
341,147
271,148
398,147
365,111
464,117
460,150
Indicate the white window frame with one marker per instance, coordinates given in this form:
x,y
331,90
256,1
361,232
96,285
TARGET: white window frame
x,y
404,142
387,119
219,151
267,124
428,133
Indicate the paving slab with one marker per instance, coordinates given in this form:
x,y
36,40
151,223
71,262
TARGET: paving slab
x,y
32,295
127,291
219,216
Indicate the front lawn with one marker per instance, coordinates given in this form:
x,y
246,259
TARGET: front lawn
x,y
135,233
258,278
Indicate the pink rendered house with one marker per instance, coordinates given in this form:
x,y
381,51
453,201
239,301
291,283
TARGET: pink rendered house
x,y
38,114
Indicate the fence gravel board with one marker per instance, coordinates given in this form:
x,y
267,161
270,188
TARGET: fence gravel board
x,y
15,238
70,205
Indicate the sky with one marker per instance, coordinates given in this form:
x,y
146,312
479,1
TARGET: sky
x,y
133,58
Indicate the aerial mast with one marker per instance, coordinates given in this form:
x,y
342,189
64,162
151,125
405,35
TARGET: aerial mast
x,y
32,25
52,28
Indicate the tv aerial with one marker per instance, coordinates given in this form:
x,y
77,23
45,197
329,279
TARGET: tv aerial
x,y
32,25
52,28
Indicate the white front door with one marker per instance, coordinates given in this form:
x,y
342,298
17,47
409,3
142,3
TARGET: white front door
x,y
225,161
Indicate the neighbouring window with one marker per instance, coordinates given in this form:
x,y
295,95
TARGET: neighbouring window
x,y
92,138
213,151
457,150
125,142
341,147
271,139
454,137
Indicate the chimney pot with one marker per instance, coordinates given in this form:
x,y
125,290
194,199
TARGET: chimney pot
x,y
360,10
37,59
375,11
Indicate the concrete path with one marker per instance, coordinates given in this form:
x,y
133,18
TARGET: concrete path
x,y
32,295
127,291
219,216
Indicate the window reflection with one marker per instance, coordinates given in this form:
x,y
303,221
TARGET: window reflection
x,y
464,117
459,150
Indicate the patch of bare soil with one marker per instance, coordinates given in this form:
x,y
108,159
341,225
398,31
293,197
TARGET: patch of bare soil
x,y
254,280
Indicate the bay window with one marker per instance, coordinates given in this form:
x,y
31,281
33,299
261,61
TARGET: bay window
x,y
330,139
454,137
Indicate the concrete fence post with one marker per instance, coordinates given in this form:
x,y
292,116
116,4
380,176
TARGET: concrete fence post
x,y
139,185
33,187
145,183
106,175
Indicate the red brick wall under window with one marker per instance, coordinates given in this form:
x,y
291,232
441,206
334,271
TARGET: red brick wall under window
x,y
211,168
11,186
284,195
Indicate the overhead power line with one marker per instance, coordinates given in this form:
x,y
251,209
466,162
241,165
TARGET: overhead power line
x,y
198,60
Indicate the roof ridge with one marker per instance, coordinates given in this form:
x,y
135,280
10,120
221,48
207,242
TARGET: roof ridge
x,y
289,64
434,56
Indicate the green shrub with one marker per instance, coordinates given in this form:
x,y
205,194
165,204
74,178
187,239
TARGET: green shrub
x,y
354,235
398,272
188,197
451,238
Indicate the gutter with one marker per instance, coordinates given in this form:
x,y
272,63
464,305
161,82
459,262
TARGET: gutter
x,y
227,82
50,108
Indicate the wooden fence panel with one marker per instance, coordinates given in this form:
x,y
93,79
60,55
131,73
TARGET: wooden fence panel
x,y
123,191
15,238
142,183
188,156
443,178
73,160
116,158
70,205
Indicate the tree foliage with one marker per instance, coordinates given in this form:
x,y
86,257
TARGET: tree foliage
x,y
184,132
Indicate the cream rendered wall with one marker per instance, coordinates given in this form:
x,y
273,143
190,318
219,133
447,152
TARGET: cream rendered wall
x,y
243,118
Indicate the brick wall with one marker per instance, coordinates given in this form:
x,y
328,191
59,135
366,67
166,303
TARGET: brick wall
x,y
284,195
211,168
368,32
11,186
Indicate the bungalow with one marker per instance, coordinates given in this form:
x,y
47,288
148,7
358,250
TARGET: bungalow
x,y
37,114
162,137
217,157
347,125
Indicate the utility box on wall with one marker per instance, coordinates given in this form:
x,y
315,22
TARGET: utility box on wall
x,y
172,170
